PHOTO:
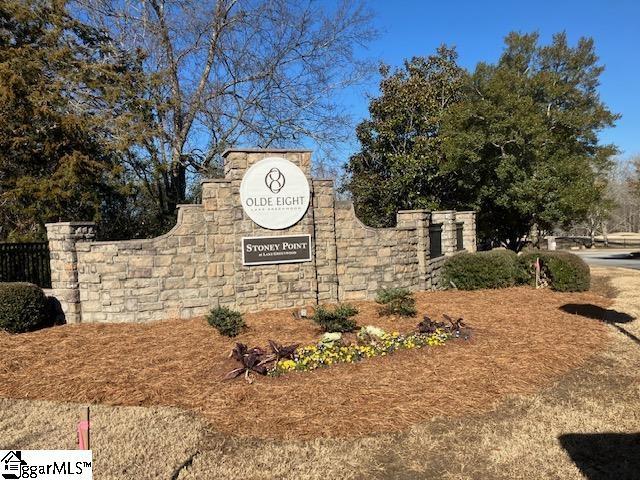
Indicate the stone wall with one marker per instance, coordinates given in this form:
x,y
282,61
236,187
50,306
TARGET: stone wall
x,y
139,280
198,264
434,268
373,258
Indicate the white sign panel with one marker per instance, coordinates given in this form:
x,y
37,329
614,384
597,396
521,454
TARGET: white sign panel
x,y
46,464
275,193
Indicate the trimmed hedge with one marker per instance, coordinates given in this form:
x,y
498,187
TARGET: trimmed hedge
x,y
564,271
473,271
23,307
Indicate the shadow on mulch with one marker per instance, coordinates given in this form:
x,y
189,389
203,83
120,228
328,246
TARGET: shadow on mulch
x,y
606,315
604,456
597,312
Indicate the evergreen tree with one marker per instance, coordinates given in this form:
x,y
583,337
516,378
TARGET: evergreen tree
x,y
517,141
525,139
65,92
400,163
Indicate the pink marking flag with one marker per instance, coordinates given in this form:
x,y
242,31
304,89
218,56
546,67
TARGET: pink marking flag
x,y
83,431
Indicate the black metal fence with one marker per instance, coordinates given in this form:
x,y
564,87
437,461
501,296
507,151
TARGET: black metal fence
x,y
25,262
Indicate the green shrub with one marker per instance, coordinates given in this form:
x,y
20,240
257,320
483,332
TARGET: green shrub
x,y
396,301
23,307
337,320
520,273
564,272
228,322
473,271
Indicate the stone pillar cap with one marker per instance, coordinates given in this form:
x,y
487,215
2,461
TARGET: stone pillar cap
x,y
71,224
264,150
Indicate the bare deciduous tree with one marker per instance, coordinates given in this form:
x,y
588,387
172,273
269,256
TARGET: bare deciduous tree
x,y
230,72
624,189
619,208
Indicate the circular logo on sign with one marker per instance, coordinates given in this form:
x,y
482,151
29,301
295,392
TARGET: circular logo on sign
x,y
275,193
274,180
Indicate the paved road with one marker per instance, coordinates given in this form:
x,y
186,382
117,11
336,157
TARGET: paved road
x,y
611,257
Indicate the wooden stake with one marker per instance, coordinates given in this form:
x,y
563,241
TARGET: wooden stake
x,y
87,413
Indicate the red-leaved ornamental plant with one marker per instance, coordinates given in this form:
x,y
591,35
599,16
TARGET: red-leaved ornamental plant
x,y
282,352
251,360
256,360
456,328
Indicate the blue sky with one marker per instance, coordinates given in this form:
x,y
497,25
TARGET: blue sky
x,y
477,28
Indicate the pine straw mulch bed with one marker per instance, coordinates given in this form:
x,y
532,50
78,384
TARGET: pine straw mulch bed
x,y
522,342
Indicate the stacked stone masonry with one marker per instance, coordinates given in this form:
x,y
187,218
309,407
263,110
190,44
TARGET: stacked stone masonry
x,y
198,264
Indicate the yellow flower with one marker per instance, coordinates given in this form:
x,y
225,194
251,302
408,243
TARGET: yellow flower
x,y
287,364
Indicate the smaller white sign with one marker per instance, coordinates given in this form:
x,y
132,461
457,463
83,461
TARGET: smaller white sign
x,y
46,464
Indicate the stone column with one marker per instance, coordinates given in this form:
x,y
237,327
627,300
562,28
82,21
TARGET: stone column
x,y
258,287
468,220
551,243
448,220
238,160
64,264
420,221
325,241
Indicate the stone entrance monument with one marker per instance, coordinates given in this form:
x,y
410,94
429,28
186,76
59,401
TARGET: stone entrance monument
x,y
265,236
